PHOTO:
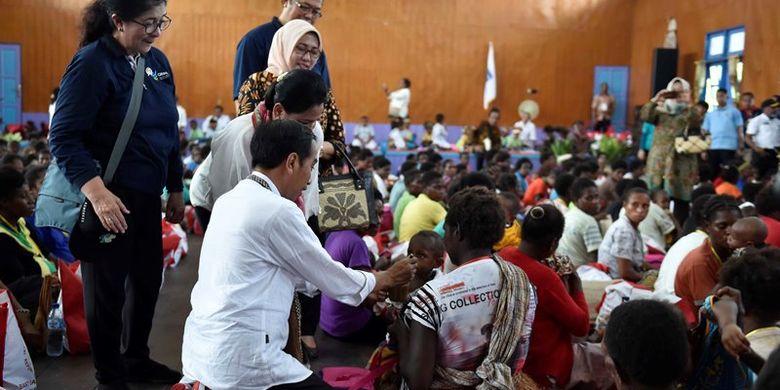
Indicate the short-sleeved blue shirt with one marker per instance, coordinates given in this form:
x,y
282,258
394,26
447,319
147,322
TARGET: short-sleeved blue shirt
x,y
723,123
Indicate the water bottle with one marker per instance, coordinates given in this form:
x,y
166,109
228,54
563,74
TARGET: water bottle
x,y
55,323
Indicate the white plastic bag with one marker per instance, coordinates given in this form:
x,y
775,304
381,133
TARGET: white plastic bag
x,y
18,371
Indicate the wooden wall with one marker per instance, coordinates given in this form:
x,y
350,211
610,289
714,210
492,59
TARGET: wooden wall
x,y
694,20
440,45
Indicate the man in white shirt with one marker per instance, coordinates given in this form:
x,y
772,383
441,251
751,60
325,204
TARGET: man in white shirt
x,y
399,100
256,253
440,134
763,137
219,115
527,129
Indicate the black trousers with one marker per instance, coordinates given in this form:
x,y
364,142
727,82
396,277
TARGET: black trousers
x,y
122,277
204,216
310,307
682,211
719,158
602,125
766,165
313,382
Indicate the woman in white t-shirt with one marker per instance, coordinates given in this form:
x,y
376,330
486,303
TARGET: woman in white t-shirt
x,y
460,323
300,97
399,99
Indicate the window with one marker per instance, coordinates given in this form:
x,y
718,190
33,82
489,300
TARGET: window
x,y
719,46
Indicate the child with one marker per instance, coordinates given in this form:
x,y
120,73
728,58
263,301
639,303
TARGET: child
x,y
427,136
746,233
511,205
428,248
661,198
647,343
539,189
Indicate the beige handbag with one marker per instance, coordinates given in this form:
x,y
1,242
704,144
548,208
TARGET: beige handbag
x,y
692,143
346,201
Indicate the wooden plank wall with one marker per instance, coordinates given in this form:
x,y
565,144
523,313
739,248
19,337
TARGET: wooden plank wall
x,y
440,45
694,20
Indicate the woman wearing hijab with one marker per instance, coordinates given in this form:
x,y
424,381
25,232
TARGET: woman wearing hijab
x,y
671,112
297,45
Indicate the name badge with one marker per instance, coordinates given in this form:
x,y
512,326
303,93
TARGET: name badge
x,y
157,76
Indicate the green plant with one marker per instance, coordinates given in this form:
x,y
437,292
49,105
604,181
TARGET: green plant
x,y
561,147
613,148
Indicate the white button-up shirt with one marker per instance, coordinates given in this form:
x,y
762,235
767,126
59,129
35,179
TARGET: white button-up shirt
x,y
765,131
257,251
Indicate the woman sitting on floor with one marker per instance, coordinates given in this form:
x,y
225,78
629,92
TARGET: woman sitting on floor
x,y
471,326
622,249
561,313
25,270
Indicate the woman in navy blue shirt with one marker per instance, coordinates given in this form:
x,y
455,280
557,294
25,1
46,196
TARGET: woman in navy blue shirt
x,y
122,270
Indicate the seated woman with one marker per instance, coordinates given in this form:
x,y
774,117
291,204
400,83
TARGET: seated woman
x,y
581,235
476,318
740,328
622,249
24,270
562,312
297,45
357,324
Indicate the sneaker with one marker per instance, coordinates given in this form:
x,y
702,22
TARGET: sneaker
x,y
149,371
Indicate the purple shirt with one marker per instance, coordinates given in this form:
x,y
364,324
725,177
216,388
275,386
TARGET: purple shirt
x,y
336,318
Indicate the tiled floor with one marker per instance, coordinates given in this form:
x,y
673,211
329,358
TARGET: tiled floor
x,y
76,372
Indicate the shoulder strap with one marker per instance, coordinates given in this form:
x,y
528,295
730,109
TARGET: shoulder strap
x,y
128,123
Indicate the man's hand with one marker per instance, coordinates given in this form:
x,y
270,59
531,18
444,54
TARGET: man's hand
x,y
398,274
174,210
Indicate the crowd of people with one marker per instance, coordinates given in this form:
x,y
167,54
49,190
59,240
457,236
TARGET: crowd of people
x,y
467,273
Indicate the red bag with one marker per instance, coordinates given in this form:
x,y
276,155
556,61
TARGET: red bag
x,y
76,335
3,322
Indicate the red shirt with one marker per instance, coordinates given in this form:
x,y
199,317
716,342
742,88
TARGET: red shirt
x,y
773,231
697,275
559,316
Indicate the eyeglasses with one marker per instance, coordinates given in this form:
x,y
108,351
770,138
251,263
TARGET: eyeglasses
x,y
307,9
302,51
152,26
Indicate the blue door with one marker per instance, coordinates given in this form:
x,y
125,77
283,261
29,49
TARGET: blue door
x,y
10,85
616,78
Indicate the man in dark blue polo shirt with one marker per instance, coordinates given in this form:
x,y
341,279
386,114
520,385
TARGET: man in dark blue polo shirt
x,y
252,52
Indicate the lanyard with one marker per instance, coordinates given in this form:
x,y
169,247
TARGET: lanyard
x,y
260,180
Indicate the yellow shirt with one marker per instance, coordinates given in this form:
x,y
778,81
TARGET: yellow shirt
x,y
421,214
511,237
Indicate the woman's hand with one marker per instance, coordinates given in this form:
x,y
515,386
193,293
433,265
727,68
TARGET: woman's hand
x,y
328,151
174,209
108,207
734,340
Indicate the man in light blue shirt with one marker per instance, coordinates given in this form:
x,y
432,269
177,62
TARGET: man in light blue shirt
x,y
724,124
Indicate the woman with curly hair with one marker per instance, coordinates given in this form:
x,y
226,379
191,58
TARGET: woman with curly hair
x,y
476,318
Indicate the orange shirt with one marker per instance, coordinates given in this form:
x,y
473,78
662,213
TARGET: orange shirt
x,y
697,275
536,191
727,188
